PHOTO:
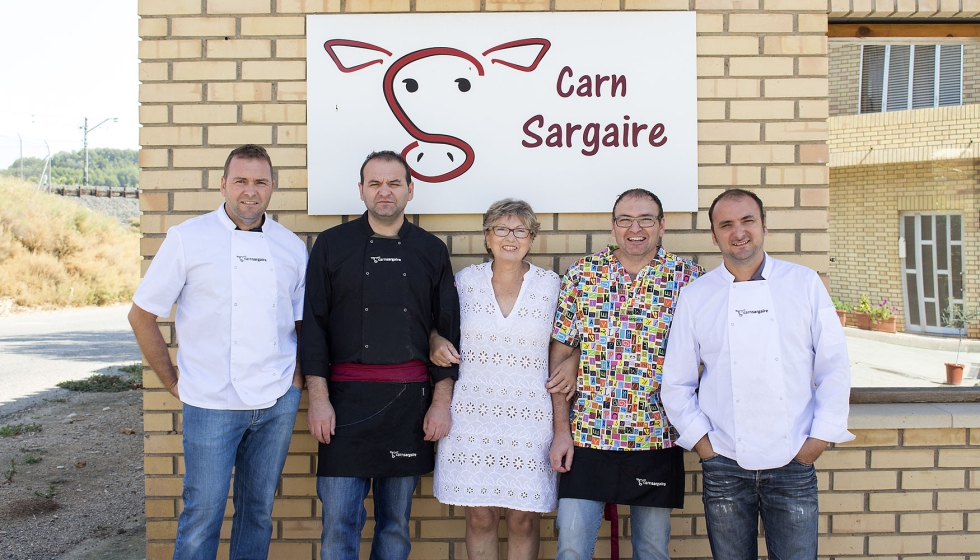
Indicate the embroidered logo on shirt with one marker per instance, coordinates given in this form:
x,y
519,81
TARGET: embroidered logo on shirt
x,y
397,454
385,259
243,258
742,312
645,482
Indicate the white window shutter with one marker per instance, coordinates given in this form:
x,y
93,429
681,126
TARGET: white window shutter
x,y
950,75
924,77
872,78
897,96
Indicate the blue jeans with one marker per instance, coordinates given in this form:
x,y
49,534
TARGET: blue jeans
x,y
786,498
578,528
344,516
255,443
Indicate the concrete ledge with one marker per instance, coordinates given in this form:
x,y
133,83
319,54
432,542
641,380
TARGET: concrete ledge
x,y
913,415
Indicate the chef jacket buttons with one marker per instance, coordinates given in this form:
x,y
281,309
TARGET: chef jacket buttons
x,y
405,310
367,274
365,309
371,241
404,274
365,345
733,324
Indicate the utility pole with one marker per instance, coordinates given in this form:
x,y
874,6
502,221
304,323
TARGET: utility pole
x,y
86,130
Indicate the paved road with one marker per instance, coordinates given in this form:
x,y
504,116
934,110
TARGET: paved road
x,y
39,349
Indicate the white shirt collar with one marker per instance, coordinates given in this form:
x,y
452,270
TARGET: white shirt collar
x,y
766,268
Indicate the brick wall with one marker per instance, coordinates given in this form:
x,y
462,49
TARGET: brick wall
x,y
971,73
845,78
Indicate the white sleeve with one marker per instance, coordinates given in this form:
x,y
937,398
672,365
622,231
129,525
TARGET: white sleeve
x,y
679,385
165,278
831,369
300,290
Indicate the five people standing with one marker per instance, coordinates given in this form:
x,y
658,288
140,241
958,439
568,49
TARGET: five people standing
x,y
754,376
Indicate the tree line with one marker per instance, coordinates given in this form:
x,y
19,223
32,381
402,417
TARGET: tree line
x,y
107,167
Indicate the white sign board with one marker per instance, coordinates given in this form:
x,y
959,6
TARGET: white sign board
x,y
563,110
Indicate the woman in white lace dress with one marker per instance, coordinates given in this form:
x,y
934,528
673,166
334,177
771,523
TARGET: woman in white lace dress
x,y
496,454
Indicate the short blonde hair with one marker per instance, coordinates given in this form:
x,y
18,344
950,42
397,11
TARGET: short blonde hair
x,y
511,207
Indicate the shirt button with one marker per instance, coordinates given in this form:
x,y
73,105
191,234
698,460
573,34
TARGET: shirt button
x,y
236,268
777,359
399,242
365,345
733,363
403,274
737,401
739,439
236,305
367,274
365,309
371,241
273,305
405,310
733,324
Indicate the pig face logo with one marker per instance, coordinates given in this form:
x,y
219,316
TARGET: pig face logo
x,y
417,85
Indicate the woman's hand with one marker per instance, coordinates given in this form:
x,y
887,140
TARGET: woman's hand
x,y
441,352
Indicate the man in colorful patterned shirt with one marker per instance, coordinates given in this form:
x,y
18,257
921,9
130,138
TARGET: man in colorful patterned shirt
x,y
615,308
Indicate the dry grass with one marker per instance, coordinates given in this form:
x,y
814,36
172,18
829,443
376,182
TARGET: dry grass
x,y
55,253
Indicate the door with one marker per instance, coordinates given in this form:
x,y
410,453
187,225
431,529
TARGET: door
x,y
932,268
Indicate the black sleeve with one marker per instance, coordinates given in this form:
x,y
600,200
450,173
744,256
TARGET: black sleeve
x,y
314,351
445,315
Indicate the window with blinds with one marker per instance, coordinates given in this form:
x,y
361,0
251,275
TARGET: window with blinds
x,y
902,77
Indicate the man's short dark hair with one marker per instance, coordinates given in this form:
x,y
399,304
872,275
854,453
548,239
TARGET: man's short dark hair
x,y
387,155
248,151
640,193
736,193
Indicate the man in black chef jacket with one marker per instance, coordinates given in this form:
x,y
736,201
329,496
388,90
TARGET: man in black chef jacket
x,y
376,287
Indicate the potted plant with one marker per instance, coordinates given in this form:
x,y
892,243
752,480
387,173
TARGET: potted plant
x,y
883,317
861,313
842,308
958,317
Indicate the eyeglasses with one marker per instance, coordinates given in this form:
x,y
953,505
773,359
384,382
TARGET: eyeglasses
x,y
643,221
503,231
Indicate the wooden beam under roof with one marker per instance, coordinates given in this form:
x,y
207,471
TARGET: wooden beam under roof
x,y
894,30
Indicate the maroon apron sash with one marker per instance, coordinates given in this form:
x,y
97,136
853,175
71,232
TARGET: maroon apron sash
x,y
408,372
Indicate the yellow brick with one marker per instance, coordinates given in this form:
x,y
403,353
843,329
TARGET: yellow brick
x,y
442,528
760,23
900,501
292,179
552,243
795,45
239,48
710,154
814,153
372,6
900,544
290,550
838,502
731,87
205,113
297,464
706,23
813,66
153,158
767,153
796,87
291,91
930,480
291,134
153,71
161,530
149,247
171,135
154,114
168,7
273,26
957,501
288,113
303,443
152,27
730,175
930,522
812,23
934,437
274,70
865,481
814,197
958,544
201,201
814,108
710,67
975,433
204,70
428,507
288,157
815,242
202,27
163,93
301,529
162,422
292,508
299,486
307,6
158,465
728,132
711,110
170,179
796,131
835,459
239,6
240,91
760,66
447,5
726,5
902,459
689,243
797,219
237,135
762,110
571,221
160,508
864,523
451,222
796,5
164,486
162,444
169,48
291,48
730,45
589,5
200,157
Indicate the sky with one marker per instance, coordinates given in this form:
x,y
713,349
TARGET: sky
x,y
64,60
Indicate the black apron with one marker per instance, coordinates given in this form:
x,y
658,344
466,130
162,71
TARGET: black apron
x,y
653,478
379,430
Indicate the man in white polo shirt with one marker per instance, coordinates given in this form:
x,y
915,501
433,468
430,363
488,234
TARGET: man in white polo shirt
x,y
238,279
772,393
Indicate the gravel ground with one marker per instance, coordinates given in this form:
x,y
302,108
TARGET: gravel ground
x,y
122,209
74,489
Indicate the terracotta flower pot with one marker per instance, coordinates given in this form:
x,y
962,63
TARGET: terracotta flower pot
x,y
954,373
888,325
842,315
862,321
